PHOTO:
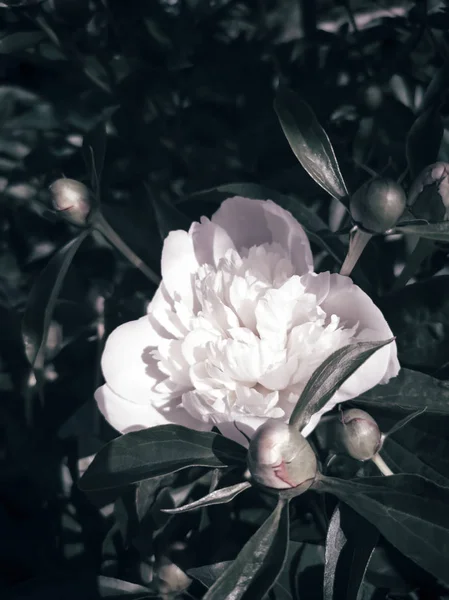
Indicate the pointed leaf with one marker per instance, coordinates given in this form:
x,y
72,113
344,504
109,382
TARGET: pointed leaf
x,y
402,460
310,143
408,510
403,422
362,539
218,497
350,543
158,451
335,542
94,151
20,40
438,232
42,300
256,568
110,587
329,377
208,574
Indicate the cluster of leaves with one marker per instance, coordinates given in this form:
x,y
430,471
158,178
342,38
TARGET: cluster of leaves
x,y
161,107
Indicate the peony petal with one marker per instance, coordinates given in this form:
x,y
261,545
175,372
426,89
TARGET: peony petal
x,y
125,416
127,364
256,222
164,317
178,263
354,307
210,242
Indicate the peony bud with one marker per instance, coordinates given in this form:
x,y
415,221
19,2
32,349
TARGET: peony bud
x,y
360,434
280,457
377,205
428,197
72,198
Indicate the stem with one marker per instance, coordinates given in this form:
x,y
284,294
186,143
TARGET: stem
x,y
357,242
101,225
382,465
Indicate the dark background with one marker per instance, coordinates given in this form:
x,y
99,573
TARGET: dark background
x,y
184,90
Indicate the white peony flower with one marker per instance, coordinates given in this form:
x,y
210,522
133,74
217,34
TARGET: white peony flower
x,y
236,328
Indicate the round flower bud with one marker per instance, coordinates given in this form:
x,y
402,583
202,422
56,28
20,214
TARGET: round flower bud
x,y
428,197
280,457
378,204
72,198
360,434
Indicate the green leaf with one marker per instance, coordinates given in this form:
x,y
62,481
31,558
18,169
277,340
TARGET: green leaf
x,y
419,318
20,40
218,497
42,299
208,574
329,377
402,460
409,391
425,439
94,151
310,143
158,451
110,587
438,232
424,140
408,510
168,217
350,543
335,542
255,570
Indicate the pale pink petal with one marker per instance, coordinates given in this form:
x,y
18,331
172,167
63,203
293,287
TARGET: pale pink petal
x,y
353,306
210,242
255,222
163,315
178,263
127,364
125,416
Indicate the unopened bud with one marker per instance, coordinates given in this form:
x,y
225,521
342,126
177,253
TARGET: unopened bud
x,y
377,205
280,457
359,434
72,199
428,197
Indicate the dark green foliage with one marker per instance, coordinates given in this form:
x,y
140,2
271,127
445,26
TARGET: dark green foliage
x,y
163,109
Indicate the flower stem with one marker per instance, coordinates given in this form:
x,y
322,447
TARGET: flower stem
x,y
382,465
101,225
357,242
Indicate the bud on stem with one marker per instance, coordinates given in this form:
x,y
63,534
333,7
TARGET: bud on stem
x,y
280,457
377,205
361,438
375,208
73,200
359,434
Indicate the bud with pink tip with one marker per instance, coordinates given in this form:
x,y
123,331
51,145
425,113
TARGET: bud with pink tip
x,y
280,457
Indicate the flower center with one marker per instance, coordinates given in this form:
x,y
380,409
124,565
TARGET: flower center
x,y
255,335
